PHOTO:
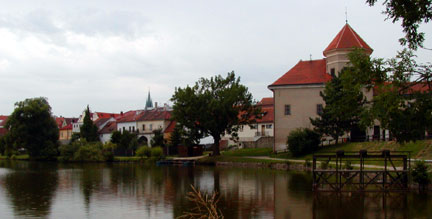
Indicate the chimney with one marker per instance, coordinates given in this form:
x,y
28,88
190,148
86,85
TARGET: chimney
x,y
121,113
155,105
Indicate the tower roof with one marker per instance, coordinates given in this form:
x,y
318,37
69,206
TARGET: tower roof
x,y
347,38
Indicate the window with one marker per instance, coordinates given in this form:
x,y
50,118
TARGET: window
x,y
151,127
254,126
143,127
130,128
332,72
124,129
319,109
268,126
133,128
287,109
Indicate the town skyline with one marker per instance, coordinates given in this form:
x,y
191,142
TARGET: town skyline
x,y
113,57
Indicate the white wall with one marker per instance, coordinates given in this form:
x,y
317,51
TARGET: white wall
x,y
129,126
104,138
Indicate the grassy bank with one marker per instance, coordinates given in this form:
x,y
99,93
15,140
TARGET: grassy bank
x,y
419,149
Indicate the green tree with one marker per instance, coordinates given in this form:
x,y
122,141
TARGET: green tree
x,y
158,138
88,130
214,107
32,127
344,102
412,13
401,105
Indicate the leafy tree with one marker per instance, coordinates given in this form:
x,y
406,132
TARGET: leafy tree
x,y
88,130
303,141
420,174
398,103
125,141
344,102
214,107
158,138
115,137
32,127
412,13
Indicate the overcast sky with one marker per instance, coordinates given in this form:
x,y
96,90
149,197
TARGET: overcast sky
x,y
108,54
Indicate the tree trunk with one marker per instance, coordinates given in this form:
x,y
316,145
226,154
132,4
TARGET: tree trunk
x,y
216,145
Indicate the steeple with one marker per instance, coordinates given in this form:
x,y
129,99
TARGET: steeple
x,y
337,51
149,102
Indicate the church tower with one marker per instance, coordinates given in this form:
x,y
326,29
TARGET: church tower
x,y
149,102
337,51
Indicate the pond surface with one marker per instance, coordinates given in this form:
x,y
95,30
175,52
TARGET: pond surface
x,y
131,190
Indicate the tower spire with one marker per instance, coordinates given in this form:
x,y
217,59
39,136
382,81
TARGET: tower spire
x,y
346,15
149,102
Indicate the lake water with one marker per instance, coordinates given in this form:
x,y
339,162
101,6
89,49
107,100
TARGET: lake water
x,y
132,190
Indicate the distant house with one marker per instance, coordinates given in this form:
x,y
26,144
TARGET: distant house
x,y
259,134
3,120
65,134
93,116
106,132
297,92
128,121
150,120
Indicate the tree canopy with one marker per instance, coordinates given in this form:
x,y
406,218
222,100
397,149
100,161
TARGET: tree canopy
x,y
344,102
412,13
214,107
32,126
88,130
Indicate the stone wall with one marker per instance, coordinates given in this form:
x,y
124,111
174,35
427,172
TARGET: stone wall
x,y
263,142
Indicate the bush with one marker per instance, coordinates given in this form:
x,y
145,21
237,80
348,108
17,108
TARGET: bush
x,y
143,151
303,141
108,151
157,152
420,174
324,164
89,152
67,152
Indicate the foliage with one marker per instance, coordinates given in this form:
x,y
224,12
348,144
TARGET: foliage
x,y
125,140
348,165
412,14
344,102
206,206
303,141
143,151
88,130
324,164
157,152
87,151
420,174
308,162
176,136
213,107
158,138
31,126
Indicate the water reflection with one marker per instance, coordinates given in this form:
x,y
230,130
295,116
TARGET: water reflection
x,y
139,191
30,188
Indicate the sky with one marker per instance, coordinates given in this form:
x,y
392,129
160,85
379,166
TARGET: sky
x,y
109,54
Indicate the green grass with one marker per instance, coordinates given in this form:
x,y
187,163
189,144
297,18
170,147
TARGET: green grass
x,y
17,157
419,149
127,159
249,152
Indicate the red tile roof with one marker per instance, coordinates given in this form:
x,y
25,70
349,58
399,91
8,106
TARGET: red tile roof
x,y
99,122
109,128
347,38
3,120
106,115
155,114
268,114
170,127
129,116
67,127
59,121
305,72
266,101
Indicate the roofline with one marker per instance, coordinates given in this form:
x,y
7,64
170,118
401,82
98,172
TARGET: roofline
x,y
309,85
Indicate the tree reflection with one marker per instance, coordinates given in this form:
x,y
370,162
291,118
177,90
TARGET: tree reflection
x,y
31,191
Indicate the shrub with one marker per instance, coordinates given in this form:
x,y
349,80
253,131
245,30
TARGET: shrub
x,y
89,152
308,163
67,152
348,165
157,152
303,141
108,151
420,174
143,151
324,164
